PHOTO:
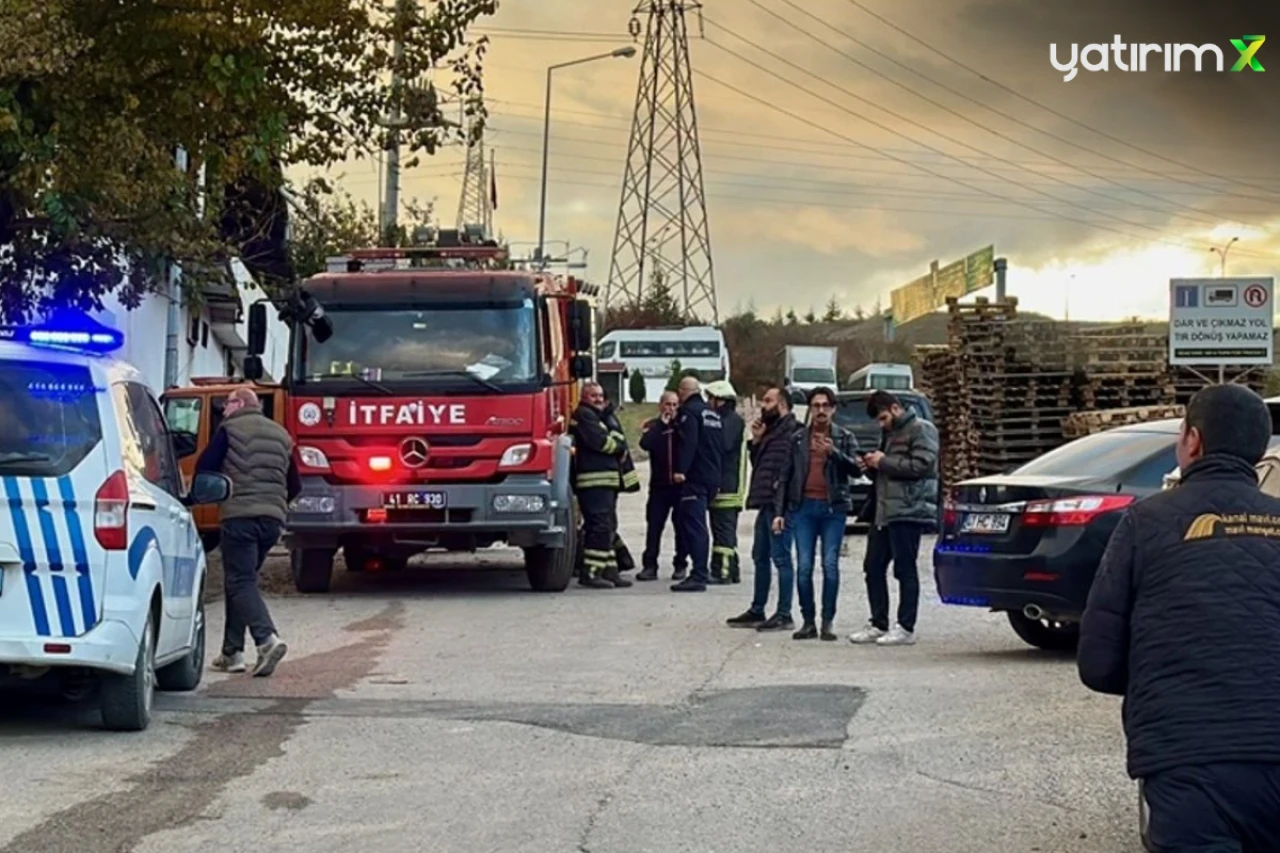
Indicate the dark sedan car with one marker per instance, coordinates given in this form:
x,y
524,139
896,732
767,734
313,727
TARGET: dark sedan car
x,y
1028,543
851,413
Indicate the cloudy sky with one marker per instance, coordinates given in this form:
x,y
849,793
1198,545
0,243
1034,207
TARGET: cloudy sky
x,y
846,148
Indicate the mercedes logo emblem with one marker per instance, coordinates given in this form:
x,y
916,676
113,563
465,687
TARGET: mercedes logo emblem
x,y
413,452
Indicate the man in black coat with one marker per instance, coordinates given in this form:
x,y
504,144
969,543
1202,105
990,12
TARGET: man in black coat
x,y
1184,621
598,453
699,459
770,447
658,439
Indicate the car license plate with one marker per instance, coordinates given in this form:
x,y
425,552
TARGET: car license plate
x,y
414,500
985,522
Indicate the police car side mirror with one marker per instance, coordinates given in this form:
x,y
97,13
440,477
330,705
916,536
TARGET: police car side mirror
x,y
208,488
581,366
184,444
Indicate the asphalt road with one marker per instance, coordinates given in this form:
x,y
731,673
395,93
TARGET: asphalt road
x,y
456,711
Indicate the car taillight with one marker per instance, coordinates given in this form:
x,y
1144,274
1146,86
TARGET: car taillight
x,y
111,513
950,515
1072,512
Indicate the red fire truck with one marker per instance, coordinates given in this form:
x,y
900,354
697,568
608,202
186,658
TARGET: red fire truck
x,y
429,392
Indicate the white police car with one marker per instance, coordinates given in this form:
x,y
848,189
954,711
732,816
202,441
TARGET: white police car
x,y
101,567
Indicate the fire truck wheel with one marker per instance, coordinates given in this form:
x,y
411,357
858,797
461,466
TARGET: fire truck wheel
x,y
312,569
551,569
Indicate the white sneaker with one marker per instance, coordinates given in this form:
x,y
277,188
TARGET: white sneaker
x,y
270,654
228,663
869,634
897,636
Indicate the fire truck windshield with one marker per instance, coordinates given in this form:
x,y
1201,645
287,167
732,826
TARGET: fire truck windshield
x,y
447,345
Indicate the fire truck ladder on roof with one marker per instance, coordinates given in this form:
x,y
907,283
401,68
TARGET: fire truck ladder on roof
x,y
418,257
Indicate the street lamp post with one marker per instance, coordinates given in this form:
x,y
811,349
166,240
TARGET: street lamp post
x,y
620,53
1222,253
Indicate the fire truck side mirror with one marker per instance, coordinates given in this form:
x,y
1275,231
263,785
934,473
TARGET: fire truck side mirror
x,y
321,329
257,328
580,319
253,369
581,366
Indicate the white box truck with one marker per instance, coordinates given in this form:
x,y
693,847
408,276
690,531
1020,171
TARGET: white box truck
x,y
806,368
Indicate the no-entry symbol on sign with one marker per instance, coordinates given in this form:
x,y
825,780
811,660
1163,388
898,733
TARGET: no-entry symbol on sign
x,y
1255,296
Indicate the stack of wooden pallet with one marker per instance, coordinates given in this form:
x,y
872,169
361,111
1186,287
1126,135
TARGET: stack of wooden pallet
x,y
942,381
1121,367
1080,424
1014,381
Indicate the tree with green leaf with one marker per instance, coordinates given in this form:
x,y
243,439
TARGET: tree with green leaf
x,y
792,319
329,222
810,318
834,313
636,387
98,99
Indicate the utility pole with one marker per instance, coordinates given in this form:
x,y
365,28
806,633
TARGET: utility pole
x,y
391,205
1002,265
1222,253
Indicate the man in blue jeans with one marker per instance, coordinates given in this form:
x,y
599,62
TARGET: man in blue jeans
x,y
813,499
769,447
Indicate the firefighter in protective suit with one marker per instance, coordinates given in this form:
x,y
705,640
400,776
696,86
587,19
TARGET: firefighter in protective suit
x,y
731,496
630,483
598,461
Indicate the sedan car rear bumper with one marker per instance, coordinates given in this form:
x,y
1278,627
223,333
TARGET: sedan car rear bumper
x,y
969,577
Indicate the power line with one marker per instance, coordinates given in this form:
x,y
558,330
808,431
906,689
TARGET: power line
x,y
895,132
737,133
992,130
913,122
1104,134
847,152
553,35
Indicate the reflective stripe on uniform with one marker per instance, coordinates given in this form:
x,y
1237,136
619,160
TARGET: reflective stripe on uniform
x,y
597,480
631,478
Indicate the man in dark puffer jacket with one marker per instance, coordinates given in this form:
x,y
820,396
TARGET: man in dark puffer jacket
x,y
770,448
1184,621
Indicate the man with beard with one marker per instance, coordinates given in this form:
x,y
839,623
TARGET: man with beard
x,y
699,458
658,439
814,501
597,479
726,506
769,448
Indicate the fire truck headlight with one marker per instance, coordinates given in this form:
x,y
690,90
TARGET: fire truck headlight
x,y
517,454
313,457
519,503
313,505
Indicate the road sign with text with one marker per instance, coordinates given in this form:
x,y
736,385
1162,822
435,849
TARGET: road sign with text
x,y
1226,321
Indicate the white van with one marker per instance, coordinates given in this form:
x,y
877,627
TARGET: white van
x,y
101,567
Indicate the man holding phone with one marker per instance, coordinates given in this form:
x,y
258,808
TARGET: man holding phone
x,y
814,499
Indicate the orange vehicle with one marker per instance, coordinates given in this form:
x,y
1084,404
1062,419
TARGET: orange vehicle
x,y
428,393
196,411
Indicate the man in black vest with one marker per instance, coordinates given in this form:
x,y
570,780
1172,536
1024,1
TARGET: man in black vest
x,y
1184,621
699,458
256,453
658,439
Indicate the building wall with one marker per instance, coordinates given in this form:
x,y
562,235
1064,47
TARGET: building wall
x,y
204,349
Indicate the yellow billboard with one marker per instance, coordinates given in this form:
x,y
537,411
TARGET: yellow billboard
x,y
930,292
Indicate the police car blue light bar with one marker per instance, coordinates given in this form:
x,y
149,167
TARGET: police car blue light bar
x,y
67,330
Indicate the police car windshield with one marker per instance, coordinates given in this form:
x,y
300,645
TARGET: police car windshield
x,y
440,344
48,418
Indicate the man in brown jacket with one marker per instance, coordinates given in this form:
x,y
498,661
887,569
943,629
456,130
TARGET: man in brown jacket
x,y
257,454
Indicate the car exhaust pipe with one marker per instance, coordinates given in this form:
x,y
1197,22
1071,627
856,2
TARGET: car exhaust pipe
x,y
1034,612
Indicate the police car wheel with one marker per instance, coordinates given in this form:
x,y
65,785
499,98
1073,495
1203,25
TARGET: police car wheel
x,y
184,675
127,699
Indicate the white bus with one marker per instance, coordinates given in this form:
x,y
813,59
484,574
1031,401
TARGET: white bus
x,y
652,351
890,377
